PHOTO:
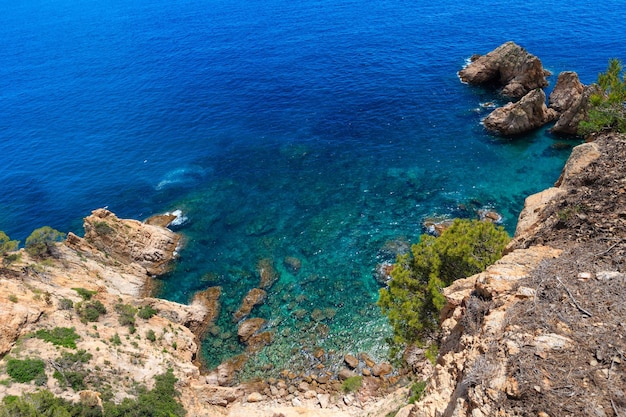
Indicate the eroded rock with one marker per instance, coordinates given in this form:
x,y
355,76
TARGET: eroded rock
x,y
508,66
523,116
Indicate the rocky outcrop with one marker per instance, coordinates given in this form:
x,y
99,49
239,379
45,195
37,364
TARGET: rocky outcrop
x,y
525,115
508,66
566,92
130,241
567,123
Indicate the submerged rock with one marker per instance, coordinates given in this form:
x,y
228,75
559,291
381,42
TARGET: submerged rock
x,y
508,66
249,327
254,297
267,273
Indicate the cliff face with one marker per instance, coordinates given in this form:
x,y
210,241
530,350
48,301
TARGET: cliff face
x,y
541,332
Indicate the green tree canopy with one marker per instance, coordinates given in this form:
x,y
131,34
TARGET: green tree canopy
x,y
6,244
413,300
607,109
40,243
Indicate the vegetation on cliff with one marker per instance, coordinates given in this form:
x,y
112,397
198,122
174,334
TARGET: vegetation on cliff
x,y
607,110
413,300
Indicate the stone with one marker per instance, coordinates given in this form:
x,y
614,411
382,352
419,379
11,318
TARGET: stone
x,y
382,369
249,327
345,374
215,395
351,361
267,273
566,92
255,397
369,362
253,298
580,158
324,400
567,123
209,300
520,117
508,66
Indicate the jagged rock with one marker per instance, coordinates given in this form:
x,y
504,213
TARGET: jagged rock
x,y
249,327
216,395
267,272
128,241
566,92
567,124
525,115
509,66
254,297
258,341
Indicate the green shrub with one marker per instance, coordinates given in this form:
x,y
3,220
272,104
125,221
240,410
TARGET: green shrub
x,y
150,335
126,314
414,298
69,369
90,311
40,243
103,228
606,105
115,339
146,312
13,298
66,304
85,294
416,391
27,370
6,244
352,384
44,403
9,259
59,336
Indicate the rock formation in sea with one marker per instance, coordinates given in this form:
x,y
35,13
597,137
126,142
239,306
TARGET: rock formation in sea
x,y
521,76
509,67
525,115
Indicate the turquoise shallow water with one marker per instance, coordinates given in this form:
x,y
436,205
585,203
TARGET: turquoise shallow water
x,y
320,130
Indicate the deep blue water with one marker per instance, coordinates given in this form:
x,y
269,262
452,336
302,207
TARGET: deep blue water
x,y
323,130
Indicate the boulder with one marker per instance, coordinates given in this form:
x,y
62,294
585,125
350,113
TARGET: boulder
x,y
351,361
292,264
382,369
249,327
254,297
523,116
566,92
508,66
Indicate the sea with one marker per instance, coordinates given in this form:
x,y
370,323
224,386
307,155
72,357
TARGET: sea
x,y
314,136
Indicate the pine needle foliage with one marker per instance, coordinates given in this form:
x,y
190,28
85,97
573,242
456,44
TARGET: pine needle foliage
x,y
414,298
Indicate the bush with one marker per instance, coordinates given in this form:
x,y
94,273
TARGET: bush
x,y
352,384
150,335
85,294
126,314
69,369
90,311
66,304
146,312
416,391
115,339
44,403
414,298
27,370
59,336
606,106
40,243
6,244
